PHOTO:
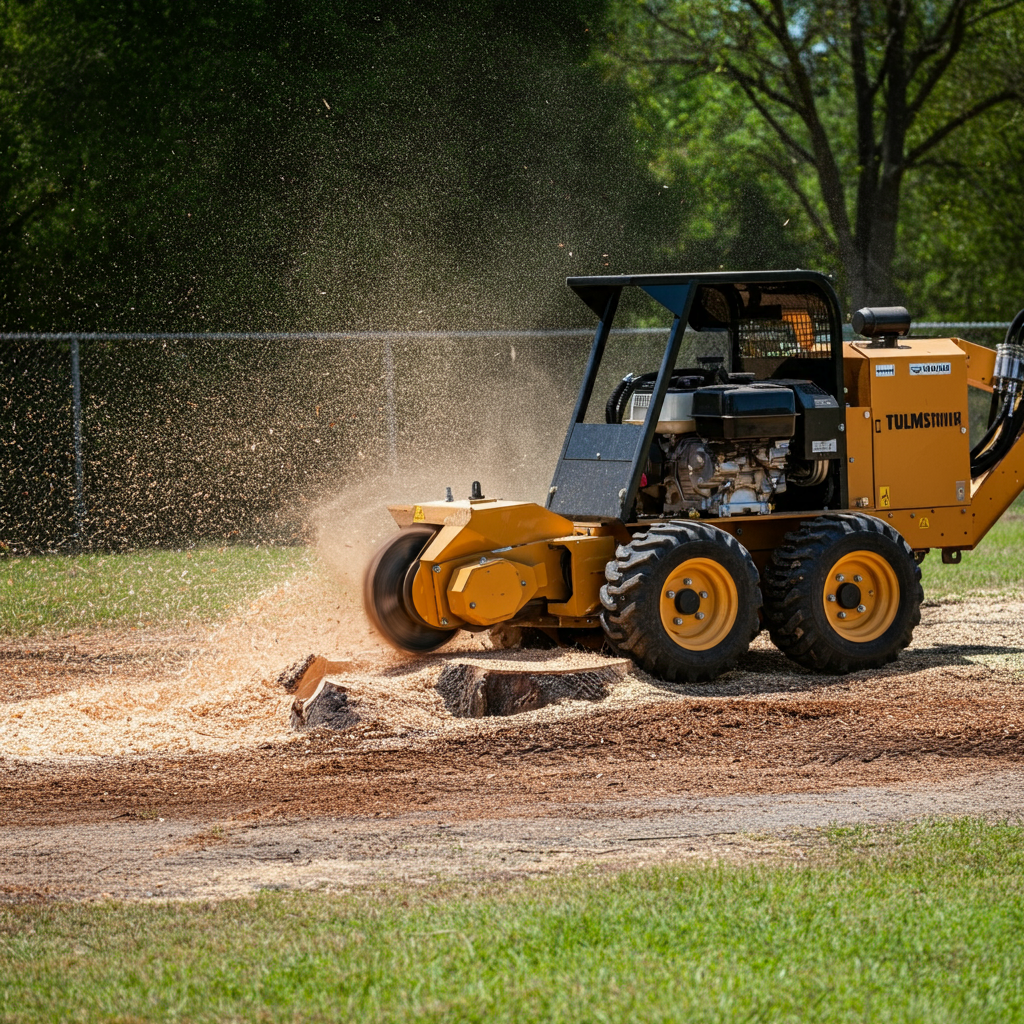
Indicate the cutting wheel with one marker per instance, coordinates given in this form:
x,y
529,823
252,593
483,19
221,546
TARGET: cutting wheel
x,y
387,593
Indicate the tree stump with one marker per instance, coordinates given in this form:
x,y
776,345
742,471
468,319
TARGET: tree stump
x,y
319,703
326,708
477,688
304,676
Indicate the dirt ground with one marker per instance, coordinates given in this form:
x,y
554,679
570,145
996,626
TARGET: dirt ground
x,y
160,763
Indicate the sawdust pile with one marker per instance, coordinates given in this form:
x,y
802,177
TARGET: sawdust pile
x,y
141,693
221,696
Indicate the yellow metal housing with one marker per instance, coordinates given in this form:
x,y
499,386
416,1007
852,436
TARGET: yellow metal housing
x,y
492,590
489,558
916,397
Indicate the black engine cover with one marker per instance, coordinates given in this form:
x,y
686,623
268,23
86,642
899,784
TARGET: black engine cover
x,y
731,412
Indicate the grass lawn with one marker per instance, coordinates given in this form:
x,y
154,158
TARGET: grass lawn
x,y
150,587
913,923
995,567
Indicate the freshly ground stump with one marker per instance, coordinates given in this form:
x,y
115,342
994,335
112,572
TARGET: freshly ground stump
x,y
326,708
478,688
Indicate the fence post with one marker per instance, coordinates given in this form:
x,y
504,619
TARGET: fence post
x,y
392,417
76,404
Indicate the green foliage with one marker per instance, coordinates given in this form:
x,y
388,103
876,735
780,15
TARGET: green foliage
x,y
872,131
150,588
960,252
736,214
262,163
902,924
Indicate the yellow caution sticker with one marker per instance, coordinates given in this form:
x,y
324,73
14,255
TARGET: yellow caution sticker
x,y
883,497
417,514
923,523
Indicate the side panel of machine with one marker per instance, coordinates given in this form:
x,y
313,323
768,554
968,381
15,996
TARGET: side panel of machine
x,y
917,396
860,468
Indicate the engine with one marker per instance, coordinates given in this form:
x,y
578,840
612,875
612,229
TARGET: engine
x,y
731,448
722,481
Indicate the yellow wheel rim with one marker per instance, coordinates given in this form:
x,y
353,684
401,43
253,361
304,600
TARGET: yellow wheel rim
x,y
861,596
699,604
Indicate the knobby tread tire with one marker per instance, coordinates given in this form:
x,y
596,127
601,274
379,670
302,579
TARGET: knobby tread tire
x,y
631,598
794,579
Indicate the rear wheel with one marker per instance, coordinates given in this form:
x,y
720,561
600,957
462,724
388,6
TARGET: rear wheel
x,y
843,593
681,600
387,593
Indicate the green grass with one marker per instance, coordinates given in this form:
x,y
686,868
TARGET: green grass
x,y
995,567
911,924
55,592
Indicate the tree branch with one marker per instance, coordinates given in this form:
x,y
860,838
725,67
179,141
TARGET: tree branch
x,y
958,33
930,46
786,138
961,119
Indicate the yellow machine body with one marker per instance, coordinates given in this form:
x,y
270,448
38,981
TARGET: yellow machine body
x,y
908,454
907,421
491,558
768,474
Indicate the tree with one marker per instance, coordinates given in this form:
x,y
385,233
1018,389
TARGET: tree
x,y
851,97
275,164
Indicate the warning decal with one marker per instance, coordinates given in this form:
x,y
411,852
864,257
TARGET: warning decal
x,y
883,497
417,514
923,523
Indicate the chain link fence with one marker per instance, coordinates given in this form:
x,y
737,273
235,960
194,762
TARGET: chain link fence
x,y
118,441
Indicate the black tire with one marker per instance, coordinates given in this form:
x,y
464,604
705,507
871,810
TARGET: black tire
x,y
835,630
387,596
672,638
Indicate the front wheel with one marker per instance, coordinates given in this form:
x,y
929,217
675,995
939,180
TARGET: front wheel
x,y
682,601
842,593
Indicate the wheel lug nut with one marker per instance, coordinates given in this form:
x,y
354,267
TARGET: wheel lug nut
x,y
687,583
831,597
842,615
857,579
840,578
671,594
700,615
704,595
861,608
677,622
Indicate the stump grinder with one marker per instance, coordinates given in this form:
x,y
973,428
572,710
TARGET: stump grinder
x,y
766,472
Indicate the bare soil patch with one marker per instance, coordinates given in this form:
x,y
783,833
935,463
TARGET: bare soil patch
x,y
104,731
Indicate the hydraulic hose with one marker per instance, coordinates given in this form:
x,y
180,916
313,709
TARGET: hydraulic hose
x,y
615,407
1006,424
